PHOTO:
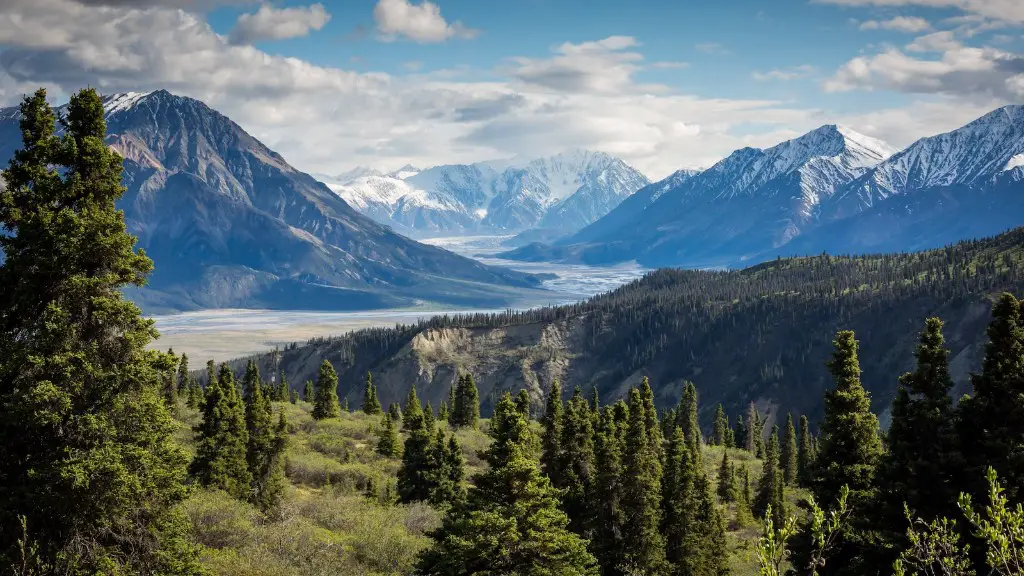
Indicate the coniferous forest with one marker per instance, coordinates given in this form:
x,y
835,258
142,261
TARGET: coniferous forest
x,y
116,459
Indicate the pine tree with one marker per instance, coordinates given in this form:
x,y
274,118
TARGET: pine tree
x,y
551,440
769,486
805,456
452,396
721,427
412,413
211,373
371,405
282,388
607,496
576,464
449,473
643,544
222,439
417,474
395,412
168,367
726,480
195,393
270,490
388,443
523,403
294,398
751,430
183,376
325,401
442,412
307,391
467,403
655,438
88,459
688,416
788,453
261,449
740,435
511,523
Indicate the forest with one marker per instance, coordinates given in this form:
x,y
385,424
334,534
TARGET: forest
x,y
117,459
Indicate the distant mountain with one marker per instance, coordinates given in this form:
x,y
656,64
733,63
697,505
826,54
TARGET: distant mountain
x,y
565,192
830,190
229,223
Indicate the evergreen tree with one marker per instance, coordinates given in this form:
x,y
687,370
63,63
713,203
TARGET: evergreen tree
x,y
395,412
751,430
222,439
388,443
261,450
654,436
294,398
449,472
607,539
523,403
788,454
183,376
551,441
740,434
195,393
412,413
595,407
251,383
919,468
168,367
511,523
992,421
467,403
371,405
344,406
87,458
417,476
677,498
325,401
721,427
805,455
307,391
726,480
211,373
442,412
688,419
452,396
643,545
770,485
576,464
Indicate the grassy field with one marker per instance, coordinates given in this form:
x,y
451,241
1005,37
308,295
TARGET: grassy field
x,y
337,517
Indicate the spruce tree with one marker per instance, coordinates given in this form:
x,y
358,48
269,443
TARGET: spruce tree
x,y
726,480
721,427
169,374
643,544
195,393
325,401
183,376
211,372
677,499
740,433
222,439
452,396
805,455
371,405
396,413
307,391
388,443
551,439
576,464
769,486
466,412
283,389
261,450
449,473
655,437
417,474
688,416
87,457
751,430
294,398
442,412
607,541
788,454
523,403
412,412
511,523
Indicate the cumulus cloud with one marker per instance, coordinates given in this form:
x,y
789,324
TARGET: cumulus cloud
x,y
793,73
270,23
911,24
1008,10
603,66
935,42
417,22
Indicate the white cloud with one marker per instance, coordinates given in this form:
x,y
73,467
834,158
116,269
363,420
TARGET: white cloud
x,y
1008,10
911,24
935,42
270,23
669,65
603,66
418,22
793,73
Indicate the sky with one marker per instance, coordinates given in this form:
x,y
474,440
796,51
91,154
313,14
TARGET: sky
x,y
663,84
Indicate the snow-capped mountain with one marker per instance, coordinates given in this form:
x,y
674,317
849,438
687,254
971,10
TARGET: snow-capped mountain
x,y
229,223
568,191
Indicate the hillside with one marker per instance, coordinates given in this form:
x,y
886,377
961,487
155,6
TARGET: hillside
x,y
759,334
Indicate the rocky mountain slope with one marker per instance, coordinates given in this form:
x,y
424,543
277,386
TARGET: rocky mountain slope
x,y
760,334
830,190
229,223
565,192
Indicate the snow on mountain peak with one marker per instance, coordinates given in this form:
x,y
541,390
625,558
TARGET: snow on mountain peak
x,y
123,101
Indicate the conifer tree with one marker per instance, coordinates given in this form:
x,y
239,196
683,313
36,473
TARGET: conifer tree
x,y
751,429
606,538
211,373
429,409
740,433
655,437
576,464
449,472
325,401
307,391
261,449
183,376
769,486
721,427
442,412
595,407
417,475
371,405
805,455
726,480
452,396
788,453
412,412
344,406
222,439
688,416
195,393
251,383
677,498
467,403
396,413
551,441
168,368
523,403
86,454
643,544
294,398
992,421
388,443
511,523
282,387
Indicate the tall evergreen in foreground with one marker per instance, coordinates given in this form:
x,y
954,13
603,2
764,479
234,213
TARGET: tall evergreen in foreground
x,y
325,399
805,455
85,439
183,376
721,435
511,523
466,410
643,545
606,539
388,443
222,439
551,440
371,405
788,454
770,485
412,412
416,476
576,463
688,416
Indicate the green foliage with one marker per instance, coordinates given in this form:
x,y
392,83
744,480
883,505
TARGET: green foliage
x,y
442,412
576,462
769,495
933,548
412,412
183,376
417,478
805,455
772,551
687,417
264,445
307,391
388,444
728,490
643,545
466,408
371,405
551,440
325,401
751,431
607,541
222,439
788,453
511,523
1000,527
721,428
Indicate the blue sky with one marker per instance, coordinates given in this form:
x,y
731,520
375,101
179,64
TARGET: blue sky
x,y
664,84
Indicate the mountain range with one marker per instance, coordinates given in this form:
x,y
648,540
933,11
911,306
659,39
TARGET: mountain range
x,y
831,190
229,223
564,192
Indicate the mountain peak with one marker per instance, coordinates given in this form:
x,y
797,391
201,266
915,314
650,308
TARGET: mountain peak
x,y
846,145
